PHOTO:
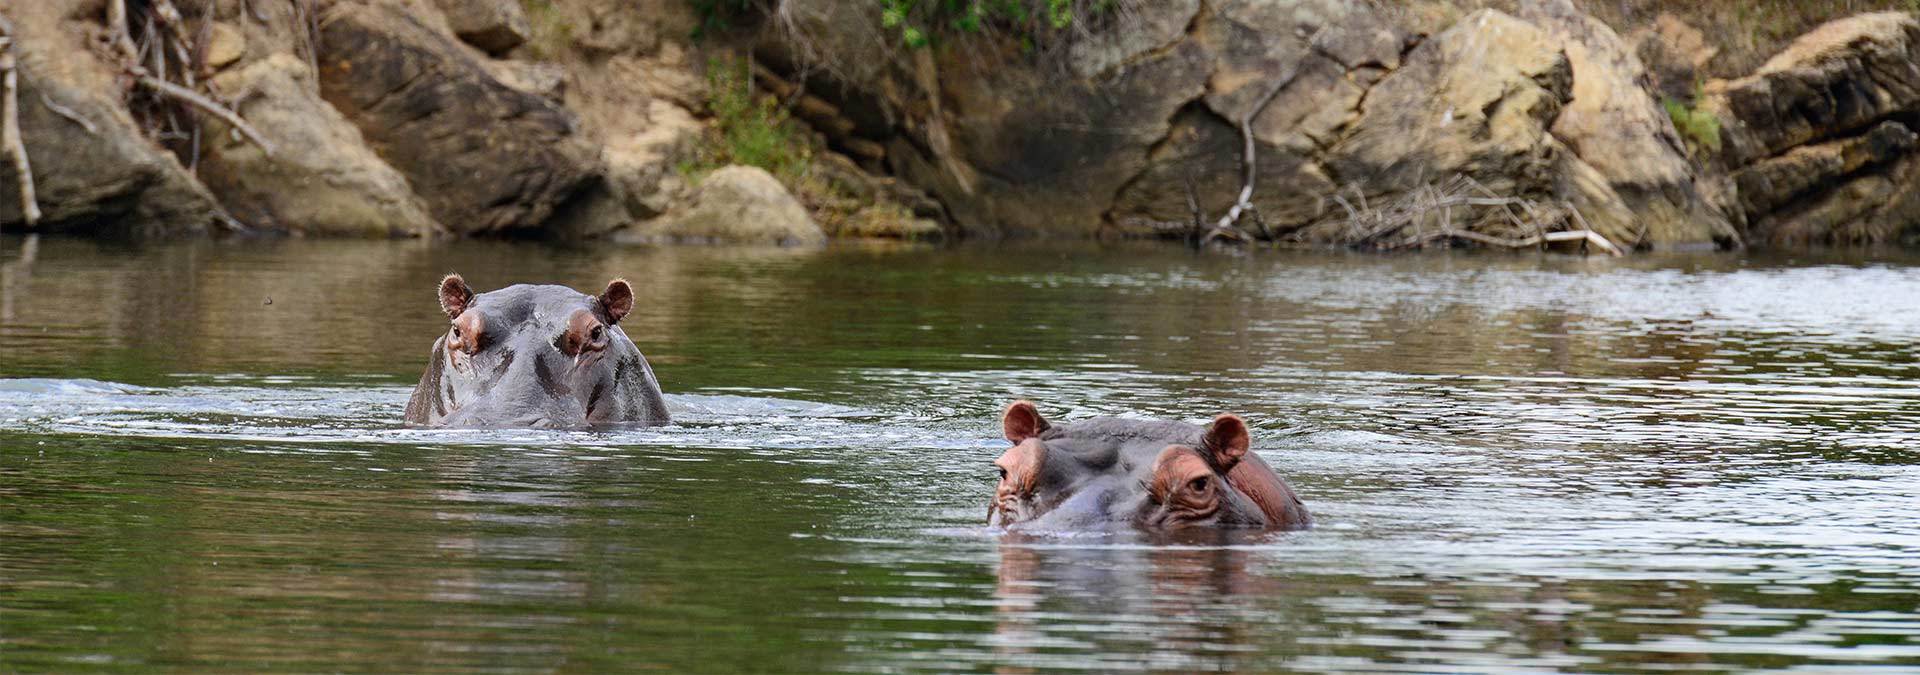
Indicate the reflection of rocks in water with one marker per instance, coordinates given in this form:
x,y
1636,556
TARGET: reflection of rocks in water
x,y
340,306
14,273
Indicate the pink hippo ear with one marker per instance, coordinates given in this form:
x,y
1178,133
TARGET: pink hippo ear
x,y
455,296
617,300
1022,421
1226,441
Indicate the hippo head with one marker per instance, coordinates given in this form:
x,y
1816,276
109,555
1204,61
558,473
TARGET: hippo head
x,y
1155,475
535,356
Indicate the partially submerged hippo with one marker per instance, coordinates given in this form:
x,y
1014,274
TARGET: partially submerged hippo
x,y
1156,475
535,356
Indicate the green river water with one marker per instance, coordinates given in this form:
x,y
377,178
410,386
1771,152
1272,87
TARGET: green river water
x,y
1518,463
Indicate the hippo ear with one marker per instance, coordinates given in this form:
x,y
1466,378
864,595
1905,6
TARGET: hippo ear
x,y
1226,441
617,300
1022,421
455,296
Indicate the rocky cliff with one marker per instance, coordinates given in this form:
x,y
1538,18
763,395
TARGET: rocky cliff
x,y
1316,122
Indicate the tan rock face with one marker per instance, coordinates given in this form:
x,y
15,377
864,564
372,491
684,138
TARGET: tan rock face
x,y
324,181
1310,64
1818,140
94,169
1614,125
485,157
494,26
225,45
1676,55
736,204
1843,76
1475,99
1341,98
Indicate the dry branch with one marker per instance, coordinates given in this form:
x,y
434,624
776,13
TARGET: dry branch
x,y
117,30
10,129
194,98
1246,135
71,115
1489,219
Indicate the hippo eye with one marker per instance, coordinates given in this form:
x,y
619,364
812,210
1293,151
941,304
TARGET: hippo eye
x,y
1003,473
599,332
456,331
1198,485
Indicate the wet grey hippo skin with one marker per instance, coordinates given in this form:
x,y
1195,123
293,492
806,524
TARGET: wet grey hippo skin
x,y
1156,475
535,356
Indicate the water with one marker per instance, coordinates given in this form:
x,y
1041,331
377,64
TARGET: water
x,y
1518,463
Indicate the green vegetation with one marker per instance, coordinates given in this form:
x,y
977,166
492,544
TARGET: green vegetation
x,y
1029,18
756,130
549,32
1700,128
749,129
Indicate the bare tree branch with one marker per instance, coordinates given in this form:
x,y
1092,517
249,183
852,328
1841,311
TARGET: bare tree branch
x,y
10,131
194,98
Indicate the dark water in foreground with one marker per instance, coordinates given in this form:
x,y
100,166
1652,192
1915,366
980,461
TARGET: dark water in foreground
x,y
1518,463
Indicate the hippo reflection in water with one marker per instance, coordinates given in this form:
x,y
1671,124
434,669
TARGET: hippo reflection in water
x,y
535,356
1156,475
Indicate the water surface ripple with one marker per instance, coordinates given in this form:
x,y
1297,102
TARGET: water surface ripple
x,y
1518,464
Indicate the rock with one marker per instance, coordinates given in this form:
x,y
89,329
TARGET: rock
x,y
737,204
642,180
1136,113
1818,139
1676,56
1873,208
639,163
1614,124
1321,55
324,180
88,180
494,26
546,80
620,27
485,156
1476,99
225,45
1842,77
1776,181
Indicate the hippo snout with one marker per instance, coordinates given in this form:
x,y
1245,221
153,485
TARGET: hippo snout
x,y
519,416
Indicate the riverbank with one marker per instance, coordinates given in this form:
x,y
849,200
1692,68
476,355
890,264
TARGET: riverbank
x,y
1334,123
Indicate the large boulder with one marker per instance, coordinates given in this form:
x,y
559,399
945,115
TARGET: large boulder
x,y
1479,100
92,166
1297,74
736,204
1819,141
324,180
486,157
1840,78
1476,99
1614,125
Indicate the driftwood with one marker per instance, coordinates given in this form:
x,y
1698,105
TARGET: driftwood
x,y
1245,202
165,61
117,31
197,100
1425,217
10,126
71,115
